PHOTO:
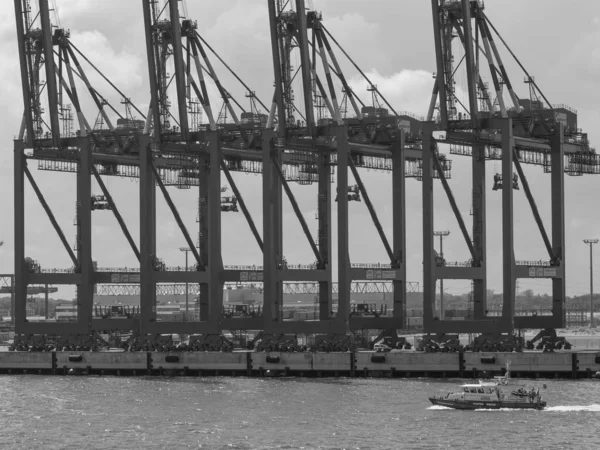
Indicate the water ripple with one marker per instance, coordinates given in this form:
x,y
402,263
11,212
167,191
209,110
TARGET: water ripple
x,y
249,413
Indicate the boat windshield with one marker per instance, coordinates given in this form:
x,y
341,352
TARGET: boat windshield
x,y
478,389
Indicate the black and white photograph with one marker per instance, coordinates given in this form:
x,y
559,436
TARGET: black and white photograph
x,y
299,224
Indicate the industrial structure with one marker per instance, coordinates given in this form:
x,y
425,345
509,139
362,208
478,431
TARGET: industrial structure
x,y
494,123
322,138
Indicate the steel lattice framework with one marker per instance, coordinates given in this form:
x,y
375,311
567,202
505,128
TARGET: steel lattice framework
x,y
171,147
315,140
495,124
357,287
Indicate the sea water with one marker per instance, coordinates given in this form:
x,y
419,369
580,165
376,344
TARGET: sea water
x,y
98,412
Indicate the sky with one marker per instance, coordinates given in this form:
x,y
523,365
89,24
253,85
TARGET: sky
x,y
392,41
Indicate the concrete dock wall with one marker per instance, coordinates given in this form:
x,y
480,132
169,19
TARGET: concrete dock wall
x,y
236,361
102,360
569,364
333,362
25,360
408,361
301,362
588,361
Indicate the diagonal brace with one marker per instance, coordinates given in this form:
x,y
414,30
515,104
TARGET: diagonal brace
x,y
55,224
534,209
296,208
363,191
452,200
238,195
177,217
116,212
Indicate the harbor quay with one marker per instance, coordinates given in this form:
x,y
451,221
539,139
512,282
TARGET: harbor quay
x,y
396,363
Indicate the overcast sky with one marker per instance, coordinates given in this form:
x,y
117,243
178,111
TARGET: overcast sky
x,y
392,41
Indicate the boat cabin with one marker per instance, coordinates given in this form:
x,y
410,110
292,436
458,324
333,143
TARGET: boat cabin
x,y
481,392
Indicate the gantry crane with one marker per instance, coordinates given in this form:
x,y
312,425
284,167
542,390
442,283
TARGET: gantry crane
x,y
170,146
494,124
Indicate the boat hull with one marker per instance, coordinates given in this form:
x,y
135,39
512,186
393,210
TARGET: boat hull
x,y
471,405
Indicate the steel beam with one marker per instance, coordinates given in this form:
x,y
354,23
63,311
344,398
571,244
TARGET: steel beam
x,y
240,199
344,266
272,233
154,114
25,74
51,87
180,84
147,236
203,231
297,210
558,226
48,211
428,220
277,65
399,228
115,211
177,216
508,256
479,229
461,223
302,37
21,273
325,234
439,53
470,61
85,290
533,206
371,210
213,232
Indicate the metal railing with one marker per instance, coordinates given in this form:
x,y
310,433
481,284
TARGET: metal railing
x,y
371,265
563,106
539,263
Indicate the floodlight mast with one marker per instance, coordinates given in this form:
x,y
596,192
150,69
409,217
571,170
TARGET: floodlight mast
x,y
442,234
186,250
591,243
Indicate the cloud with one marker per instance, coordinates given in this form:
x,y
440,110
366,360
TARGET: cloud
x,y
407,90
395,48
127,70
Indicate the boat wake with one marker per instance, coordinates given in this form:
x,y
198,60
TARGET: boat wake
x,y
574,408
563,408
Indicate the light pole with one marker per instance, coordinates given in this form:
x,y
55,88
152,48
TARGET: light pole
x,y
442,235
186,250
591,243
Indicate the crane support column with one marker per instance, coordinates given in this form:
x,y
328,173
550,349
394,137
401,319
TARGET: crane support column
x,y
21,273
428,255
399,227
204,297
147,234
213,233
344,277
558,226
272,233
479,230
508,257
85,290
324,238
